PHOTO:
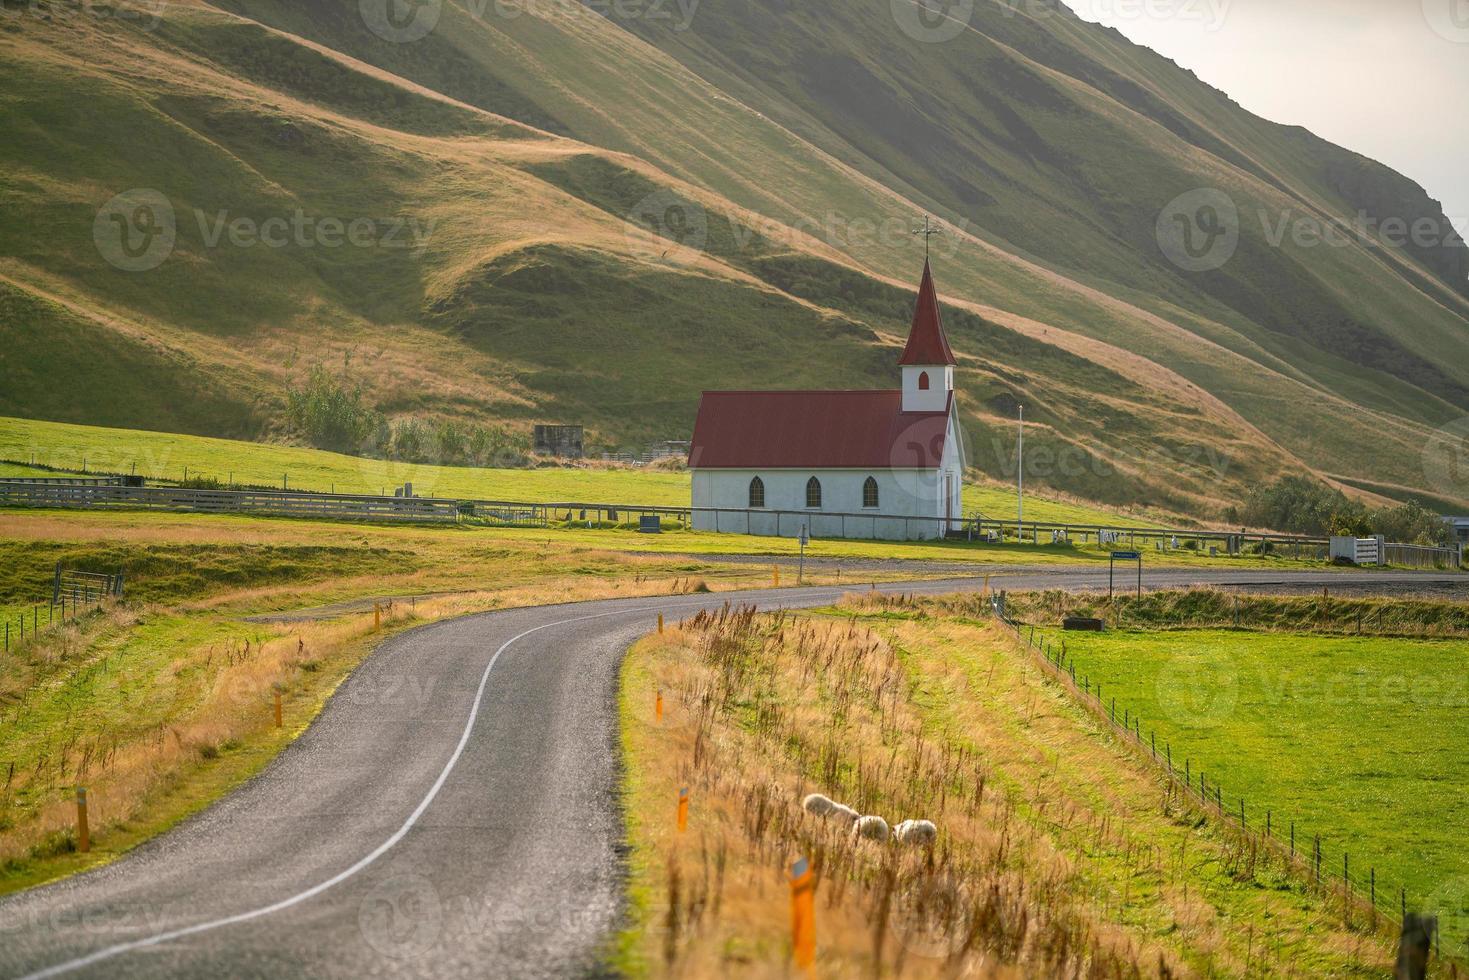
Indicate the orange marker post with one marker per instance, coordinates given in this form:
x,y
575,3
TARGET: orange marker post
x,y
277,709
775,571
84,838
803,914
658,707
660,622
683,809
377,615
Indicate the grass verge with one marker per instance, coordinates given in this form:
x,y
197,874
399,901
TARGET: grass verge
x,y
1059,852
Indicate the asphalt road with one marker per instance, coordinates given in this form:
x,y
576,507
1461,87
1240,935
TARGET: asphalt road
x,y
452,812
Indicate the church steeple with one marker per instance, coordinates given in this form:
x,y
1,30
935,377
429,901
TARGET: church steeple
x,y
927,343
927,361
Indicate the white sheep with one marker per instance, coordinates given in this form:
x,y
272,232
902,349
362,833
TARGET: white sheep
x,y
920,833
817,805
871,828
824,806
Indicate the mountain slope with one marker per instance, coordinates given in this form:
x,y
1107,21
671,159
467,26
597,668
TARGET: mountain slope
x,y
575,218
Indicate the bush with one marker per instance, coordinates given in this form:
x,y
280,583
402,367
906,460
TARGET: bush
x,y
329,412
452,443
1412,523
1298,505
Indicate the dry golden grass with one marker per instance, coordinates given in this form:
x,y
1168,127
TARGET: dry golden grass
x,y
1060,852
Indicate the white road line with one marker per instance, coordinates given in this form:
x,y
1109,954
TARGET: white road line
x,y
413,818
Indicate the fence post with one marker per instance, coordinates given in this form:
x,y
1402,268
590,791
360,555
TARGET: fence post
x,y
803,914
84,838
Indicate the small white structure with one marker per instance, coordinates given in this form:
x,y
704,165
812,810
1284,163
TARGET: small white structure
x,y
1360,551
883,464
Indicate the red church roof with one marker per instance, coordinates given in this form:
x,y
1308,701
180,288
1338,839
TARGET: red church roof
x,y
926,341
815,430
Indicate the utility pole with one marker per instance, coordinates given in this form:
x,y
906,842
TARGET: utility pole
x,y
1020,477
801,572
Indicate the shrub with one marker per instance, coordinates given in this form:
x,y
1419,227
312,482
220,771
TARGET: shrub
x,y
330,413
1301,506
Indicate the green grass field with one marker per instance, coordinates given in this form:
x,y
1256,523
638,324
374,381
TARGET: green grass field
x,y
168,457
1360,740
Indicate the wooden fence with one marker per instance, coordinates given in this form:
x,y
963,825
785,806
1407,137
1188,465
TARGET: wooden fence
x,y
1417,556
828,524
25,493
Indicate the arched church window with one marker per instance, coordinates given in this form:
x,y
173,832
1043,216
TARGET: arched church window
x,y
813,492
869,493
757,492
922,380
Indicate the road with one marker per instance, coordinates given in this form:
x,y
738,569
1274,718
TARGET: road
x,y
452,812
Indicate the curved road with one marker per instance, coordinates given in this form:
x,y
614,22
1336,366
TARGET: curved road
x,y
452,812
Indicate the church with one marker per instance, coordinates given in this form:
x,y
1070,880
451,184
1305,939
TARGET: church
x,y
885,464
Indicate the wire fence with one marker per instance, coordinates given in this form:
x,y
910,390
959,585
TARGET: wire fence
x,y
1315,610
73,593
1312,856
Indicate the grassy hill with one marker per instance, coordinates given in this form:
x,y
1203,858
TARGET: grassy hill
x,y
562,216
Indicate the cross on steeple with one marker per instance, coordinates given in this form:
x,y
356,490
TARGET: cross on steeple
x,y
927,231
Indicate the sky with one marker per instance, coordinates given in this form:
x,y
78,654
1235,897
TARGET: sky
x,y
1387,78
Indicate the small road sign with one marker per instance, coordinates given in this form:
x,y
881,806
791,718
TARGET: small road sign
x,y
1112,561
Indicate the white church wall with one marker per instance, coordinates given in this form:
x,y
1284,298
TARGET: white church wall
x,y
903,496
